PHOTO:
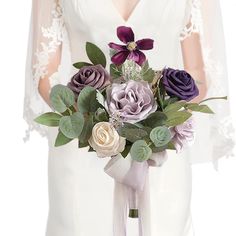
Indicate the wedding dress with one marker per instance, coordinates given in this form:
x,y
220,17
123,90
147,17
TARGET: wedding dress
x,y
84,200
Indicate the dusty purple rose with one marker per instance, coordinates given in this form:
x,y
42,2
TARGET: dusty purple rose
x,y
133,101
183,135
95,76
179,83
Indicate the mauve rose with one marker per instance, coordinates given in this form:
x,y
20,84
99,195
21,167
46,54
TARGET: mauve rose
x,y
179,83
95,76
133,100
183,135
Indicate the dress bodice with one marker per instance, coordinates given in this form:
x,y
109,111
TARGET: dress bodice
x,y
96,22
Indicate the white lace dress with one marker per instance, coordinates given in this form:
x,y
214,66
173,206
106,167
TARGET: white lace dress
x,y
84,201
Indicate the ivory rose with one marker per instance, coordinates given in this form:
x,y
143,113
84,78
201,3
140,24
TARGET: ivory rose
x,y
105,140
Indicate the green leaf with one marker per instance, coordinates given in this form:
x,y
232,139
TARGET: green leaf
x,y
115,71
101,115
177,118
48,119
155,119
169,146
160,136
95,54
199,108
174,107
148,75
87,101
61,97
126,150
169,101
79,65
61,139
132,134
87,129
100,98
72,126
140,151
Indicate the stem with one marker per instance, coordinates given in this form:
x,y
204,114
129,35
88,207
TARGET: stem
x,y
213,98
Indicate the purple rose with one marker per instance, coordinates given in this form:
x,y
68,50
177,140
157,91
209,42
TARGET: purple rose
x,y
94,76
132,101
179,83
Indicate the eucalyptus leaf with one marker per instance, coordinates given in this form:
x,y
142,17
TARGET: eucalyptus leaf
x,y
100,98
177,118
49,119
79,65
132,134
140,151
160,136
155,119
72,126
95,54
61,139
115,71
101,115
61,97
87,101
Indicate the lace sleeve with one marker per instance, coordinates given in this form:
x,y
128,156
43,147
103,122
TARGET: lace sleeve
x,y
216,135
47,34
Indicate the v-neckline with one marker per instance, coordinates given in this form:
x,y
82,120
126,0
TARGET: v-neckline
x,y
131,15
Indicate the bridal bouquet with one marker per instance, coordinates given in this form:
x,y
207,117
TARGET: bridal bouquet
x,y
132,111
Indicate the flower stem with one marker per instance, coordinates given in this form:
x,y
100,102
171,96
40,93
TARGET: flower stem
x,y
213,98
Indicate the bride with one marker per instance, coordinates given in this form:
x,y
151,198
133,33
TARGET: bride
x,y
84,200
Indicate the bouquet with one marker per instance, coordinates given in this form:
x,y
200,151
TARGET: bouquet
x,y
132,111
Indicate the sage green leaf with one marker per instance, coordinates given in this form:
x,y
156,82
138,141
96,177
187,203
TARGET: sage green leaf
x,y
72,126
160,136
87,129
61,97
169,101
174,107
177,118
87,101
79,65
132,134
155,119
61,139
95,54
83,144
48,119
199,108
100,98
101,115
140,151
148,75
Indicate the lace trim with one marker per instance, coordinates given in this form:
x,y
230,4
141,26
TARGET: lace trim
x,y
54,35
195,21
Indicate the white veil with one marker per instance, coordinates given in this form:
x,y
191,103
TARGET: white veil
x,y
215,135
48,33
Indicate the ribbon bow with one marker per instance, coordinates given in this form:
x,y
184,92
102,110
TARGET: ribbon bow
x,y
132,191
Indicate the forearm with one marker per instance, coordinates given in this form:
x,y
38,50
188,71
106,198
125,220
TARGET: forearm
x,y
194,64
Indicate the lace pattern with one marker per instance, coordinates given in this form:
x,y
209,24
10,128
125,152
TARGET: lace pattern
x,y
195,20
52,38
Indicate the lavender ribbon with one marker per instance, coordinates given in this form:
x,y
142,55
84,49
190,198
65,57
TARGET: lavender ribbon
x,y
132,190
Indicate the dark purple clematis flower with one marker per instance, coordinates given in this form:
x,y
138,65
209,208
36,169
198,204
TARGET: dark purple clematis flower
x,y
132,48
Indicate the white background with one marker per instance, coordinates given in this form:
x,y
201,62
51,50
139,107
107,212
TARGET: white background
x,y
23,167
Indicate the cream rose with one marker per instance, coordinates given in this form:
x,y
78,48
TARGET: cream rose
x,y
105,140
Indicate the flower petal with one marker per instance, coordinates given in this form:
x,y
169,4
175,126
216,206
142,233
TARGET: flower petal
x,y
125,34
137,56
117,46
120,57
145,44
